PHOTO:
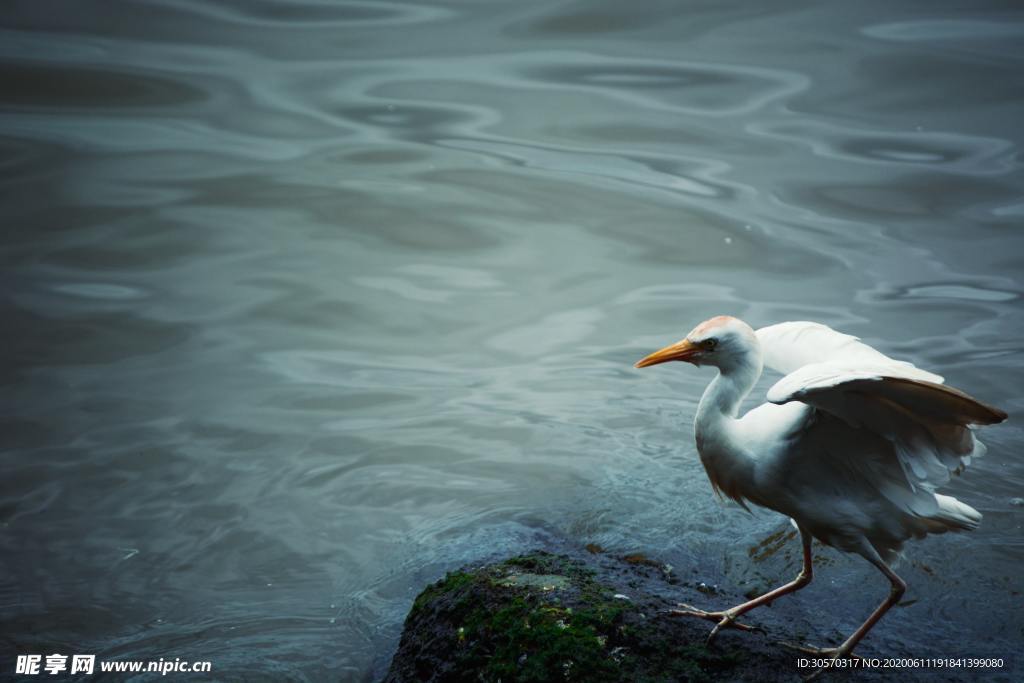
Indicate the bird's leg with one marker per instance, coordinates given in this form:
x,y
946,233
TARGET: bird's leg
x,y
896,591
727,619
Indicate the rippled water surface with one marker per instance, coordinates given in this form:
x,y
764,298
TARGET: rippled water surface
x,y
305,303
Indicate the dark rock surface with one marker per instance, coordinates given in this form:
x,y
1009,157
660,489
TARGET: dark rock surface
x,y
584,616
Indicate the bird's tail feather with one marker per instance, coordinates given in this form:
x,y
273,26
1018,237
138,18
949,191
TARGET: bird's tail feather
x,y
954,515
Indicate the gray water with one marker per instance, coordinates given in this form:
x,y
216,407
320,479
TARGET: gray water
x,y
306,303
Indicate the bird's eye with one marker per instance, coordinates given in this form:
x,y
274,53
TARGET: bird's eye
x,y
710,344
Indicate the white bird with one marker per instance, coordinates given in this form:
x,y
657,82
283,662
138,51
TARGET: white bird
x,y
851,445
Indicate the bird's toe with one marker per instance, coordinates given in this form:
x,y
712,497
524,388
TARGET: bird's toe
x,y
683,607
721,619
684,610
718,627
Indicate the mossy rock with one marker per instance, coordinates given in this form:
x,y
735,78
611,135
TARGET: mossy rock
x,y
545,617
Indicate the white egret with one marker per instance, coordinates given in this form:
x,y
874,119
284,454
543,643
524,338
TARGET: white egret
x,y
851,445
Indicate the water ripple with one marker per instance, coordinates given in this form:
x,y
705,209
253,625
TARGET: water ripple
x,y
948,152
929,30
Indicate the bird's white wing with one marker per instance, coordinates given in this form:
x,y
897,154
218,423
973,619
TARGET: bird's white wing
x,y
927,424
787,347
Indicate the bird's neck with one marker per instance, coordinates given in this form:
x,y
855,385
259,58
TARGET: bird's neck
x,y
721,400
728,463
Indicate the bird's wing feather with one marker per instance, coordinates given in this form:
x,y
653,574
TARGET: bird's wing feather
x,y
876,429
821,383
928,424
789,346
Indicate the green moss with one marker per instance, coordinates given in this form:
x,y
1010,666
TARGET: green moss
x,y
546,563
499,624
547,582
451,582
529,640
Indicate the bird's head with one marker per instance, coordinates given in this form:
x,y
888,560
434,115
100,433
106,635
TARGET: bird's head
x,y
722,341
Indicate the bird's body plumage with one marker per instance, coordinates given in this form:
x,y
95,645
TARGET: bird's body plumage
x,y
851,444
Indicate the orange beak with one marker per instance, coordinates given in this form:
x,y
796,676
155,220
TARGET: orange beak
x,y
681,350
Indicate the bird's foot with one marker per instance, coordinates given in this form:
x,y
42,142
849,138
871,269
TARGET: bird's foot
x,y
821,653
726,619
